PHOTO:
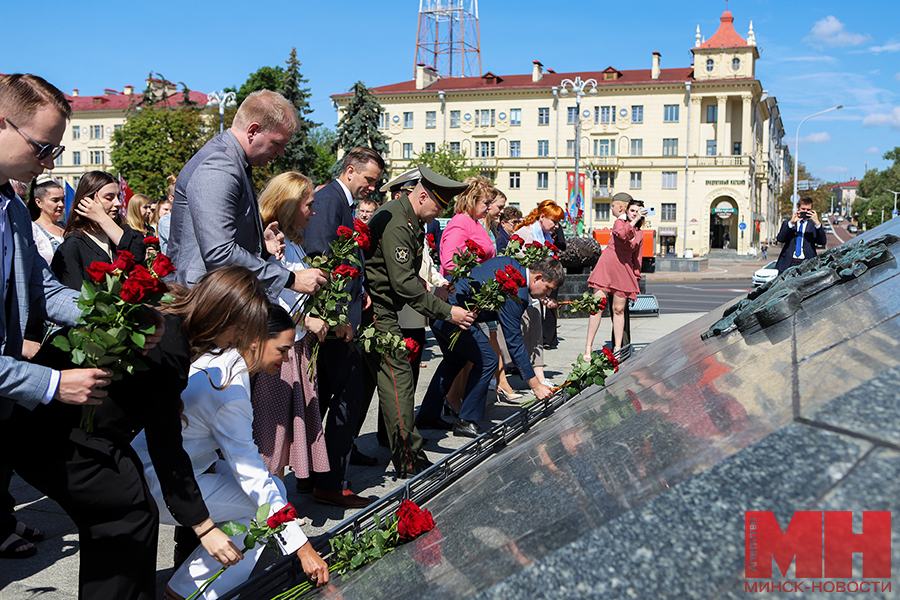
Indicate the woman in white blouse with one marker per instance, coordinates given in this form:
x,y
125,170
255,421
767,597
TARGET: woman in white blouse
x,y
46,205
218,417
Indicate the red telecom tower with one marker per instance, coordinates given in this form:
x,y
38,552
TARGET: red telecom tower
x,y
448,38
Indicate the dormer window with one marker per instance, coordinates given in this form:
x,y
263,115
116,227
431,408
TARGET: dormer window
x,y
735,64
709,65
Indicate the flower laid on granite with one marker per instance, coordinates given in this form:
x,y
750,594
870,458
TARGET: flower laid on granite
x,y
464,261
588,303
528,254
261,531
584,373
492,294
112,328
349,552
370,339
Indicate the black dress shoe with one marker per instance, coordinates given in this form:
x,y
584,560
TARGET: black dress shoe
x,y
429,423
383,441
361,460
420,467
467,428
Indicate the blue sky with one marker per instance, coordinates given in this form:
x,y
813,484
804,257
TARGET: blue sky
x,y
813,55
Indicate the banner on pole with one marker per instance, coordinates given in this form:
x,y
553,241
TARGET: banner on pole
x,y
575,208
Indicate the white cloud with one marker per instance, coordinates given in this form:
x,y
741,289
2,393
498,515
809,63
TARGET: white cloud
x,y
892,47
834,169
830,31
816,138
872,150
891,119
807,59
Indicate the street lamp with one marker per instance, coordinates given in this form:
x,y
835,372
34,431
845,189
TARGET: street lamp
x,y
797,148
578,87
894,214
223,99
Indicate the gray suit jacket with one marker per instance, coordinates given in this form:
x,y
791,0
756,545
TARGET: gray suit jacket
x,y
33,289
215,217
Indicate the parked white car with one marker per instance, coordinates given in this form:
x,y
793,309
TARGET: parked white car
x,y
766,274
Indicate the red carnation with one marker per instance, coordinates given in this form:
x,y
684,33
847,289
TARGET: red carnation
x,y
473,247
362,240
139,283
285,515
501,276
509,287
412,346
413,520
516,238
149,240
346,271
124,262
430,239
344,232
162,266
361,227
551,247
515,275
536,245
98,270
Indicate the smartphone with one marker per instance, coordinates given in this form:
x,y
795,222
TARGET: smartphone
x,y
804,214
651,210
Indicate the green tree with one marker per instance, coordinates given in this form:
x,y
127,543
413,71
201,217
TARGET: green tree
x,y
444,161
818,191
322,140
358,125
873,194
299,154
264,78
155,142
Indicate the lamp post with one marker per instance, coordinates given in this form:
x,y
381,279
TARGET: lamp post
x,y
578,87
894,214
797,148
222,99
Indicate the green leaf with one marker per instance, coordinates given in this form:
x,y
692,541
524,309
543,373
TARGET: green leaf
x,y
263,513
62,343
357,560
88,292
250,540
138,339
94,350
232,528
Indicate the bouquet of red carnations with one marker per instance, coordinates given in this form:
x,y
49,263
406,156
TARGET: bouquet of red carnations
x,y
528,254
112,328
371,339
465,260
588,303
492,294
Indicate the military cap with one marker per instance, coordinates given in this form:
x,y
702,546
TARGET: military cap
x,y
397,182
622,197
442,188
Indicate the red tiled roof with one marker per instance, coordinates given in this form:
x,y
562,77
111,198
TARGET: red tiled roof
x,y
123,101
507,82
725,36
848,184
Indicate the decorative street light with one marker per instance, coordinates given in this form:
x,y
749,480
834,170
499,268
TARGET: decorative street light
x,y
223,99
578,87
797,148
894,214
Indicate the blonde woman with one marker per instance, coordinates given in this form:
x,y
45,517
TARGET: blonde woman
x,y
138,214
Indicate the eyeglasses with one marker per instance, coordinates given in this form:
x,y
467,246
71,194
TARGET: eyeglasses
x,y
43,150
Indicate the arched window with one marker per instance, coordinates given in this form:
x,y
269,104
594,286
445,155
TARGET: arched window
x,y
735,64
709,65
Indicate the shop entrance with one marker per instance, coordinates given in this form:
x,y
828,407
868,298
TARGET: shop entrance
x,y
723,230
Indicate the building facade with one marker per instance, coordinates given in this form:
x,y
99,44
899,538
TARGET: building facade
x,y
701,144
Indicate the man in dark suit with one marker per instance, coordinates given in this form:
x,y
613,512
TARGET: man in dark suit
x,y
799,236
341,376
215,215
473,346
33,117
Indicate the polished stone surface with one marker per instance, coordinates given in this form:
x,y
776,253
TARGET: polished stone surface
x,y
638,490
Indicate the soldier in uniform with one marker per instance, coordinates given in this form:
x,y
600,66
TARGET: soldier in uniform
x,y
392,267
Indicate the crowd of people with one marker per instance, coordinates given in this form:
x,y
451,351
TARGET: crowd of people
x,y
234,396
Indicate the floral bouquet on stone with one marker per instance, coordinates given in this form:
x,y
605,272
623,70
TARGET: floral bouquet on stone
x,y
262,530
371,339
587,372
492,294
588,303
528,254
465,260
112,328
349,552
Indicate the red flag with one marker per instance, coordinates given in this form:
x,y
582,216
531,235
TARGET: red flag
x,y
125,193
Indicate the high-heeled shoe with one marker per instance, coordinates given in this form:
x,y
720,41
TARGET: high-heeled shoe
x,y
448,411
509,396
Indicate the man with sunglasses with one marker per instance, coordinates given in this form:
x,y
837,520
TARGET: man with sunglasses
x,y
33,117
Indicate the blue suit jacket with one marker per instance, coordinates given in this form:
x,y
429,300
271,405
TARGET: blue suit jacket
x,y
33,289
332,210
509,316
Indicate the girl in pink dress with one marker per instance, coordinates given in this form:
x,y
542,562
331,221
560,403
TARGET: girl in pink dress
x,y
617,272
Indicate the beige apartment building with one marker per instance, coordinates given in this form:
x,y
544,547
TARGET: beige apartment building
x,y
701,144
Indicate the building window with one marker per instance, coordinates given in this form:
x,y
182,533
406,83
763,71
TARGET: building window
x,y
607,114
430,119
454,147
635,180
543,148
735,64
407,151
637,147
76,133
429,147
515,149
737,149
669,180
58,161
709,65
485,149
484,118
712,113
601,211
454,118
670,113
97,157
407,120
605,147
97,133
637,114
572,115
667,212
515,117
543,180
710,147
543,116
514,180
117,127
384,120
670,146
76,158
570,147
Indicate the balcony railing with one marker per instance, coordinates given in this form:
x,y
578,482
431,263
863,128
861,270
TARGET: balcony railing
x,y
721,161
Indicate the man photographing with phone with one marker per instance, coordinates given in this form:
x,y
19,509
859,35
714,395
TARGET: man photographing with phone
x,y
800,236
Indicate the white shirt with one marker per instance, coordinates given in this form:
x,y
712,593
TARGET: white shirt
x,y
294,259
346,192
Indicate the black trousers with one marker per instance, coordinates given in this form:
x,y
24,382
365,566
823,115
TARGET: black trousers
x,y
100,484
549,322
7,502
340,379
